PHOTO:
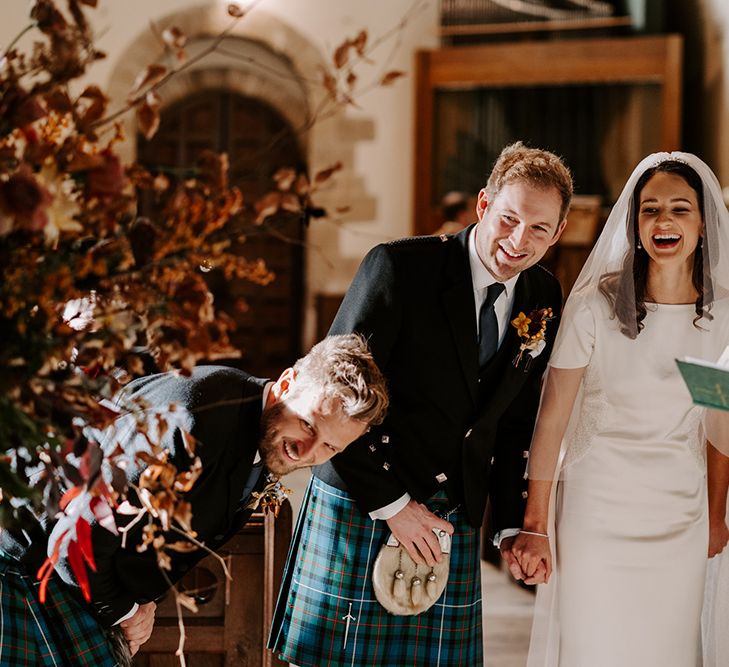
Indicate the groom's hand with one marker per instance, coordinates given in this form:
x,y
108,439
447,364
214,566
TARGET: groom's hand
x,y
505,547
413,527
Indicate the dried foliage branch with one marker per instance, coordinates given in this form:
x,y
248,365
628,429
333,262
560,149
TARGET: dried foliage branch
x,y
91,290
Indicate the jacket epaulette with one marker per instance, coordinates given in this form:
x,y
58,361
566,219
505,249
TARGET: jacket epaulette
x,y
547,271
417,240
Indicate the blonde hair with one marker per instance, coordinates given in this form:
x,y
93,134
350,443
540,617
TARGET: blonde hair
x,y
342,367
541,168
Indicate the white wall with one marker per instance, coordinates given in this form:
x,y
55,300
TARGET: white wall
x,y
378,172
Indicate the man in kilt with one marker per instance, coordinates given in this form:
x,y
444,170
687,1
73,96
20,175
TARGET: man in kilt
x,y
248,431
464,396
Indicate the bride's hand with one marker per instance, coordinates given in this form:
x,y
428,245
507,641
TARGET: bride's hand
x,y
534,556
718,537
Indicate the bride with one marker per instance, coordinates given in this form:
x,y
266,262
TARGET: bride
x,y
635,510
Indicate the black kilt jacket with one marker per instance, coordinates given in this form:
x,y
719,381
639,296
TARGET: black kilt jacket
x,y
449,425
221,407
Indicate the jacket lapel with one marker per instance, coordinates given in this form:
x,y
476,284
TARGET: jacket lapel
x,y
241,482
461,311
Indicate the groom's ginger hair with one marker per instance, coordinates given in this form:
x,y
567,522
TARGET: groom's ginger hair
x,y
538,167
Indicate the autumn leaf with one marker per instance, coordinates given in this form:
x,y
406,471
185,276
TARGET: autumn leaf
x,y
266,206
118,480
95,107
390,77
90,464
46,569
359,42
68,496
214,169
75,560
58,100
83,537
341,54
302,185
149,76
290,202
330,84
189,441
148,115
326,174
284,178
104,515
174,38
183,515
142,238
72,474
351,79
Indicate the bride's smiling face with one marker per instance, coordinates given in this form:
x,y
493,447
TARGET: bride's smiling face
x,y
669,219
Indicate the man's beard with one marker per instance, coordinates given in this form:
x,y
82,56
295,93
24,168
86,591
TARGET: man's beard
x,y
270,445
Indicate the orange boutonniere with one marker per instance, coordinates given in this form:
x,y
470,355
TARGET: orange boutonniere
x,y
270,498
532,330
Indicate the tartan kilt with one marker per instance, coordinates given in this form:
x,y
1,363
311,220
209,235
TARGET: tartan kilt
x,y
61,632
328,576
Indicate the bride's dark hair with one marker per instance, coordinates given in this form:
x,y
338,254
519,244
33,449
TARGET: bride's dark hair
x,y
625,289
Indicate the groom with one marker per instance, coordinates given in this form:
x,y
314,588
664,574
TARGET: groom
x,y
464,397
244,428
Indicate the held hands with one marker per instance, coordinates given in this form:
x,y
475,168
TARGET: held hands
x,y
533,558
413,527
718,536
138,628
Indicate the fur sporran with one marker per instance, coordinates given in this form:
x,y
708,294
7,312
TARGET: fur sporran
x,y
402,586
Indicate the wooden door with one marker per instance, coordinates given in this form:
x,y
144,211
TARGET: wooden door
x,y
258,141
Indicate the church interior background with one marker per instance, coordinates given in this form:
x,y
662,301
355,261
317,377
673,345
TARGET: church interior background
x,y
601,83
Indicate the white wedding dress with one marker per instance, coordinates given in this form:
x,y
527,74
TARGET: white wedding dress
x,y
631,509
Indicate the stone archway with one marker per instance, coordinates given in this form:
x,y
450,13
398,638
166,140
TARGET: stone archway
x,y
281,52
293,96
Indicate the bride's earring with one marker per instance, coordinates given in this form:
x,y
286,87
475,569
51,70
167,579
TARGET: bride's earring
x,y
639,246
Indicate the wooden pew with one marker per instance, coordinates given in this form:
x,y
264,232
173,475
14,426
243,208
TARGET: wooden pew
x,y
233,619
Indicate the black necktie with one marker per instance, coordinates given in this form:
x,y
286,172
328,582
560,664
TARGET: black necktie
x,y
488,325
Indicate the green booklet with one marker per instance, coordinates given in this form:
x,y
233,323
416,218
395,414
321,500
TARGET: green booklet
x,y
707,382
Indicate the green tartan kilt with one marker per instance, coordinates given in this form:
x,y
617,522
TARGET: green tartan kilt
x,y
61,632
328,577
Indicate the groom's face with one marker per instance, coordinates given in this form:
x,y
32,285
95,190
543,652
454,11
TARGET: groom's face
x,y
303,429
517,227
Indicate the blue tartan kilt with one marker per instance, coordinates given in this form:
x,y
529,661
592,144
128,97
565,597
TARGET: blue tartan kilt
x,y
328,577
60,632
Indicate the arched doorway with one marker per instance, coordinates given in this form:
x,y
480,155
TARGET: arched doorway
x,y
258,141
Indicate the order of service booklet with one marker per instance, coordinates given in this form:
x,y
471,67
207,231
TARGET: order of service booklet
x,y
708,382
